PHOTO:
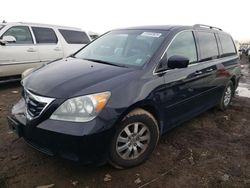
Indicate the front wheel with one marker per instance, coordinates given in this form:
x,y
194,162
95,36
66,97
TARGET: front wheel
x,y
135,139
227,96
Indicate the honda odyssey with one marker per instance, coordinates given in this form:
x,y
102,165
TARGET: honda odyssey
x,y
114,98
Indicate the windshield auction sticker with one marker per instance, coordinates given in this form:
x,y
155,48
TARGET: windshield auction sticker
x,y
151,34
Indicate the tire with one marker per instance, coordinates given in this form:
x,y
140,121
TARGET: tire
x,y
227,96
132,146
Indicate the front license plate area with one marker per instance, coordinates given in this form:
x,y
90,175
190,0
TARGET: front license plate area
x,y
15,127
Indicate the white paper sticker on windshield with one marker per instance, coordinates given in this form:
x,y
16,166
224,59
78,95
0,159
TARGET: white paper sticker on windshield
x,y
138,61
151,34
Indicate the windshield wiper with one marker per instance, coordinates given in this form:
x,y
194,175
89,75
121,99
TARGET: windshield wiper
x,y
105,62
72,56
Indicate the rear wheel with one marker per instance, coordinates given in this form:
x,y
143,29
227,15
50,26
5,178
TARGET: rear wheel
x,y
134,140
227,96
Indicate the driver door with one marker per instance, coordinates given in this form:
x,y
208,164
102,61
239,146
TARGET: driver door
x,y
18,56
184,86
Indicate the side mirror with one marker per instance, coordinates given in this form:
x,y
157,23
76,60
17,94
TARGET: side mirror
x,y
177,62
8,39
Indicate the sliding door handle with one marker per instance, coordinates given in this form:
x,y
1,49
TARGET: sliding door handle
x,y
198,73
209,70
57,49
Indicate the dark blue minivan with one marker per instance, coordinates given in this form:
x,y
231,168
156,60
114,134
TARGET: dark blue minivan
x,y
114,98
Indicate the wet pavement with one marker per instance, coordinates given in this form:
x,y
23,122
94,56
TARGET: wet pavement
x,y
243,89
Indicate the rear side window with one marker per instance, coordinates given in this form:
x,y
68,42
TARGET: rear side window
x,y
227,45
21,33
74,37
208,46
45,35
183,45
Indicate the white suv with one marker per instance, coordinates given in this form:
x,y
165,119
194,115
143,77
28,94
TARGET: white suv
x,y
28,45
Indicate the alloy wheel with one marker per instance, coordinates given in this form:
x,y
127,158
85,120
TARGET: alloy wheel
x,y
132,141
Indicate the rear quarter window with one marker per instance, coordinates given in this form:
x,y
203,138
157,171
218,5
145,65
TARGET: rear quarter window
x,y
74,37
45,35
227,45
208,46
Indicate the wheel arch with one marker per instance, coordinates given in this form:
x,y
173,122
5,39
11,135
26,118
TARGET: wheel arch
x,y
147,106
234,81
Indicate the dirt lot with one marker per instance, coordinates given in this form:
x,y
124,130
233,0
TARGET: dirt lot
x,y
212,150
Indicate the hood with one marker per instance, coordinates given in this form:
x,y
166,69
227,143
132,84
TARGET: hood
x,y
64,78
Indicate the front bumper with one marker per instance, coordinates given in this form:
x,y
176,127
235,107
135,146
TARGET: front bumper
x,y
81,142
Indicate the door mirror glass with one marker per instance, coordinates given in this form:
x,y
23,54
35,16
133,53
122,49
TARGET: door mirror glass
x,y
8,39
178,62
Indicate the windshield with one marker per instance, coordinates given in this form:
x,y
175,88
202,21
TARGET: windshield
x,y
1,26
124,47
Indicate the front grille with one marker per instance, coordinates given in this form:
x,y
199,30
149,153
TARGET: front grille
x,y
35,104
34,107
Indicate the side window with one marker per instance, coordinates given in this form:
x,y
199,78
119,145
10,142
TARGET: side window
x,y
45,35
21,33
227,44
74,37
208,46
183,45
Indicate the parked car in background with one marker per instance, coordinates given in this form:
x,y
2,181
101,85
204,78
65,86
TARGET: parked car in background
x,y
113,99
248,55
247,50
244,48
93,35
29,45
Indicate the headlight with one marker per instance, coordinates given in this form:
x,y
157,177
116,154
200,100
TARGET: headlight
x,y
81,109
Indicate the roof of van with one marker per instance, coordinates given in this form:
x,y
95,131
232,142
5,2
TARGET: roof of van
x,y
41,25
176,27
157,27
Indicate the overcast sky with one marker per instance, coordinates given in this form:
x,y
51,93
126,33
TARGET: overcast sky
x,y
103,15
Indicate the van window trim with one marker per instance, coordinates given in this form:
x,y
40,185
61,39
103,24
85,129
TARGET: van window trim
x,y
33,35
14,44
197,46
165,51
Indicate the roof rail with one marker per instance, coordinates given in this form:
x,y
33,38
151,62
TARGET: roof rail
x,y
207,26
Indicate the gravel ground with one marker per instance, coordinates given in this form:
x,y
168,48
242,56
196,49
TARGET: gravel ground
x,y
212,150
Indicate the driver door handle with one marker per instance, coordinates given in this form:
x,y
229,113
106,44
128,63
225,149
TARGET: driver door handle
x,y
57,49
31,50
